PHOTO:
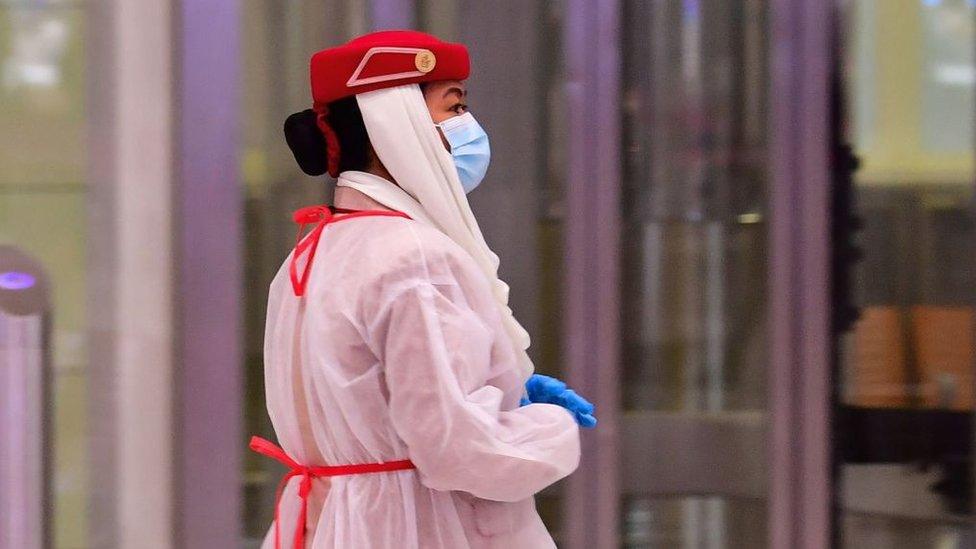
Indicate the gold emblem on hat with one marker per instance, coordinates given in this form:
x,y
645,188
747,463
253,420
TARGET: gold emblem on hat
x,y
425,61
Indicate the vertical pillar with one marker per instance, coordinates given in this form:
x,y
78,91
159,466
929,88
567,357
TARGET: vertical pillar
x,y
208,440
799,409
592,303
131,256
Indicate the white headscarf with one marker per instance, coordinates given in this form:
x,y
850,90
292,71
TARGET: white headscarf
x,y
428,190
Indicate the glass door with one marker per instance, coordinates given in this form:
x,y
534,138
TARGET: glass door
x,y
694,270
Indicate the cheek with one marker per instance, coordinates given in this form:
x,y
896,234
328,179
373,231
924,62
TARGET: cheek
x,y
436,113
439,115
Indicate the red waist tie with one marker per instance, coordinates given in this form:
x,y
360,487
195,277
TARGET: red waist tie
x,y
270,449
322,215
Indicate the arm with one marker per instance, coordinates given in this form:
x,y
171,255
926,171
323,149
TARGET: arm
x,y
461,439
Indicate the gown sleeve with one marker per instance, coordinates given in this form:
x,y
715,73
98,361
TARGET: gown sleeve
x,y
436,355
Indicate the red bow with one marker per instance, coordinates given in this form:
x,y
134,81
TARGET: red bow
x,y
304,216
268,448
322,215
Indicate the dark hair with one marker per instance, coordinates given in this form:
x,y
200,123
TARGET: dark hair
x,y
308,144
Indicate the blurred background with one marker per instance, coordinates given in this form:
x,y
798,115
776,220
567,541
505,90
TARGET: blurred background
x,y
743,227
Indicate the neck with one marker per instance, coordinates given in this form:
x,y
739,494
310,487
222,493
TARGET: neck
x,y
352,199
378,169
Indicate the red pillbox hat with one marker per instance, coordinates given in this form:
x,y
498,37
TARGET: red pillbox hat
x,y
375,61
383,60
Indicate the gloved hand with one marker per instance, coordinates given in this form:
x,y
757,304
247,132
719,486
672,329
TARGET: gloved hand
x,y
549,390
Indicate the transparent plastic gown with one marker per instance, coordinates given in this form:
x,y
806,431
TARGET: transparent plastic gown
x,y
398,351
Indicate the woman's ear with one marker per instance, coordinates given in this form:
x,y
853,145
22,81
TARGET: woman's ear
x,y
306,142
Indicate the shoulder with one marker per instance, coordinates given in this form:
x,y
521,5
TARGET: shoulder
x,y
412,249
410,256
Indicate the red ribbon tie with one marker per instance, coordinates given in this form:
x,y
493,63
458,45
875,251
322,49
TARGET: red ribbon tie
x,y
270,449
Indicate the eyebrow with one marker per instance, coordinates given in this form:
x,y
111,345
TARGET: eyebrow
x,y
454,89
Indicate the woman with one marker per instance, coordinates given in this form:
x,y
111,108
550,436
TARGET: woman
x,y
395,373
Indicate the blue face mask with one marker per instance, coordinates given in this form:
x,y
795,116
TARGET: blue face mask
x,y
469,147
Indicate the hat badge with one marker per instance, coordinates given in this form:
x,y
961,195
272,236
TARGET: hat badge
x,y
425,61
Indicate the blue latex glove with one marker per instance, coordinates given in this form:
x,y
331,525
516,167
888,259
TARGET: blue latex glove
x,y
549,390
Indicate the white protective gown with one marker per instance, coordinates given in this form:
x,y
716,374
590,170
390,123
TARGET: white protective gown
x,y
398,351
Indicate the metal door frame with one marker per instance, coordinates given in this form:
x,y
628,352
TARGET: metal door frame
x,y
798,472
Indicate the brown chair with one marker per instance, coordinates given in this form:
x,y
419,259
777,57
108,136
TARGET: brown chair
x,y
943,338
877,375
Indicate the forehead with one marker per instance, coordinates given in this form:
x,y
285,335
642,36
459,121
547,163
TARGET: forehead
x,y
450,88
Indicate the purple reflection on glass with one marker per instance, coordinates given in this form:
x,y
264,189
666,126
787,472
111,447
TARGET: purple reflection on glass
x,y
13,280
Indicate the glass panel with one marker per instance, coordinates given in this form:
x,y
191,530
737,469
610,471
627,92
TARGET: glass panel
x,y
907,365
694,204
43,212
